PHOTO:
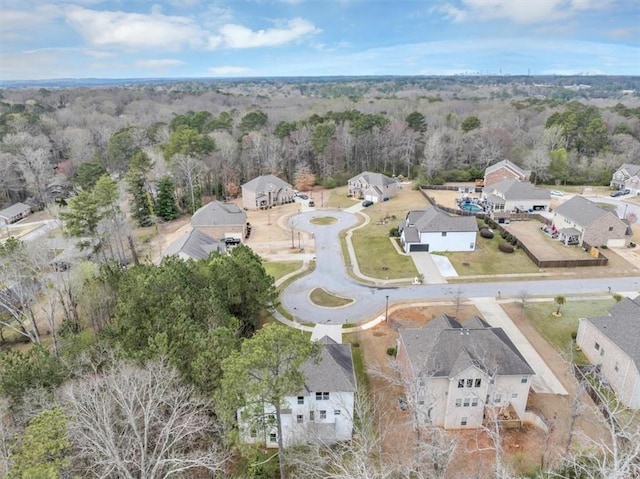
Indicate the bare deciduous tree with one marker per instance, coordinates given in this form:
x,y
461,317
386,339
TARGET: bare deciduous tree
x,y
140,423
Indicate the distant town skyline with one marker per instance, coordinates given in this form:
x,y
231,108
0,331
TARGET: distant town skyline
x,y
270,38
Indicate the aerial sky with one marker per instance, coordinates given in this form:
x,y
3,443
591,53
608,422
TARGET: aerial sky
x,y
256,38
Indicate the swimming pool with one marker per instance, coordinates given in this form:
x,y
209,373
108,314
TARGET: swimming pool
x,y
470,207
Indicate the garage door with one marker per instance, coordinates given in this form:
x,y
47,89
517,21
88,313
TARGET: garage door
x,y
373,198
418,247
616,243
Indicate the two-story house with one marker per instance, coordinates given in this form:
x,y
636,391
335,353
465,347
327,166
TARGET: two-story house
x,y
579,220
432,229
221,221
322,410
627,176
505,170
266,191
372,187
460,373
613,343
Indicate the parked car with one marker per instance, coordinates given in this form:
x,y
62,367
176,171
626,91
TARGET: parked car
x,y
367,203
615,194
303,197
556,193
312,203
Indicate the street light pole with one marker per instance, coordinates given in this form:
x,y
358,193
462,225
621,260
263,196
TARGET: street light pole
x,y
386,310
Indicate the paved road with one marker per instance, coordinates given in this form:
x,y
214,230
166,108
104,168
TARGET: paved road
x,y
370,301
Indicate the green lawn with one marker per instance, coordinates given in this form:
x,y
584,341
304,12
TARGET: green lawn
x,y
338,198
376,255
278,269
323,220
488,259
323,298
558,331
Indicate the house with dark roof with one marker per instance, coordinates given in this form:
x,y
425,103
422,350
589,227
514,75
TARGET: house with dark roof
x,y
14,213
505,170
432,229
194,245
579,220
266,191
221,221
460,372
627,176
322,410
514,195
613,343
372,187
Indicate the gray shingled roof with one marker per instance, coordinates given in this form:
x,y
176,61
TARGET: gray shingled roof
x,y
335,370
266,183
14,210
433,219
581,211
514,190
622,326
374,179
195,244
217,213
508,164
630,170
445,347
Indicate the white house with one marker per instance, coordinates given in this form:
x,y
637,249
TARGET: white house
x,y
323,410
515,195
462,372
372,186
627,176
434,230
613,343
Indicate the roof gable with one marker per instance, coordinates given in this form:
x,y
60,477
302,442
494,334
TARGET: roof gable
x,y
434,220
334,372
508,165
195,244
217,213
515,190
266,183
629,170
582,211
14,210
373,179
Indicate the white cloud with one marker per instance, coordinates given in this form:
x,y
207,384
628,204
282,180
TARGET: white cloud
x,y
159,63
519,11
21,19
134,30
228,70
237,36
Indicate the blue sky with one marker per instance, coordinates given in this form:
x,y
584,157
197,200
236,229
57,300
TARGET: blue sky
x,y
246,38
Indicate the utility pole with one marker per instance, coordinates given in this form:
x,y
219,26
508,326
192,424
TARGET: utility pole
x,y
386,310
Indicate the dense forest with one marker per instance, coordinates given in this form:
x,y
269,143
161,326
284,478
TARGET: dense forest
x,y
210,137
118,368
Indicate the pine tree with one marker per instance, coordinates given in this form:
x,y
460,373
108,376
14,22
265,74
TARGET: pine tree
x,y
141,206
166,207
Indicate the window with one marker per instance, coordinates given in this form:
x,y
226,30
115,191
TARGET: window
x,y
300,418
337,412
253,432
323,414
300,399
324,396
469,383
478,382
514,396
421,402
312,415
444,233
610,228
524,380
472,245
487,399
597,346
460,383
601,351
474,402
273,437
464,421
617,367
466,402
458,402
497,398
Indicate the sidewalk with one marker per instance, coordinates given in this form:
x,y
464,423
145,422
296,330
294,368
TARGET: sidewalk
x,y
545,381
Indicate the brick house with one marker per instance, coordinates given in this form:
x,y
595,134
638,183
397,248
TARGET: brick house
x,y
612,343
627,176
579,220
459,373
266,191
504,170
